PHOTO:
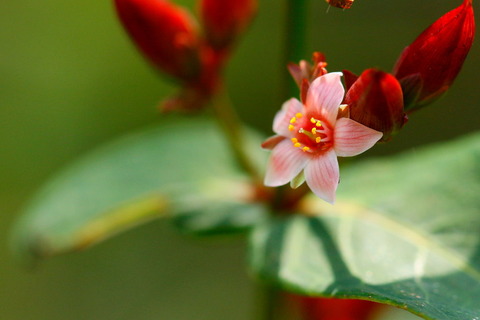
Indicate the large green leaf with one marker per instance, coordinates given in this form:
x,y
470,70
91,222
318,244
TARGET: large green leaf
x,y
180,168
404,231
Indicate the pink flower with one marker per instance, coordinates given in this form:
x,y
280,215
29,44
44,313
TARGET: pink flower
x,y
310,137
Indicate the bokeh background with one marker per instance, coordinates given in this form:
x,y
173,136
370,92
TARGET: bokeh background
x,y
70,80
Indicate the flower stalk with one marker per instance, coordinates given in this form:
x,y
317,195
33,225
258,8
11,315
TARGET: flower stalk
x,y
295,41
230,124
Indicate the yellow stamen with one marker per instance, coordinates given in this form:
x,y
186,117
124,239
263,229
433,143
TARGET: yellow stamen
x,y
314,130
294,140
291,127
313,120
305,149
299,115
297,145
293,120
318,124
318,139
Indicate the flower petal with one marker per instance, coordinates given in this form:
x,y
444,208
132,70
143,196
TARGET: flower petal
x,y
322,175
352,138
325,96
272,142
283,117
285,163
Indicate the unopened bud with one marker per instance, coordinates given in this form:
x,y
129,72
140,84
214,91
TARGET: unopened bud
x,y
428,66
375,100
165,33
225,20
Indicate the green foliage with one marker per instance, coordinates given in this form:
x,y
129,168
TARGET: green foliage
x,y
404,231
173,170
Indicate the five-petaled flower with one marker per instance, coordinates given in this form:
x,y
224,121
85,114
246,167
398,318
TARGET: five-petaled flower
x,y
310,137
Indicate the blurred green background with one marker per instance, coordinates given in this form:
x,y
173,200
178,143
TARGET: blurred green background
x,y
70,80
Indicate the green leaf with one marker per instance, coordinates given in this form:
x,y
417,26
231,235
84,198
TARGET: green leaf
x,y
180,167
221,218
404,231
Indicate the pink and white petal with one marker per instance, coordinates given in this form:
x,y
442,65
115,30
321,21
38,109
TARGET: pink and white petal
x,y
325,96
283,117
351,138
272,142
285,163
322,175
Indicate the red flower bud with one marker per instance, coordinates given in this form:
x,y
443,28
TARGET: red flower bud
x,y
376,100
224,20
428,66
165,33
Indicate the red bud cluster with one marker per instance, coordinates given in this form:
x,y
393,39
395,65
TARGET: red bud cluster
x,y
170,39
424,71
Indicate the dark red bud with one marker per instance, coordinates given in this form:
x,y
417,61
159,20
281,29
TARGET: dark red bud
x,y
224,20
428,66
165,33
376,101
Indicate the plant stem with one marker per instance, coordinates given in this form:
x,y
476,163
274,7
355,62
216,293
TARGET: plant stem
x,y
295,44
230,124
269,298
295,50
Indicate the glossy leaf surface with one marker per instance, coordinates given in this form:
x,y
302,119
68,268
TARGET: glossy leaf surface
x,y
173,170
404,231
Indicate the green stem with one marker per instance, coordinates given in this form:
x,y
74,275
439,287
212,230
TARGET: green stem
x,y
269,299
230,124
295,50
296,34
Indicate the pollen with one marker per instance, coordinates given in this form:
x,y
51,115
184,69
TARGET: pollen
x,y
297,145
318,124
291,127
305,149
313,120
293,120
314,130
294,140
318,139
299,115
